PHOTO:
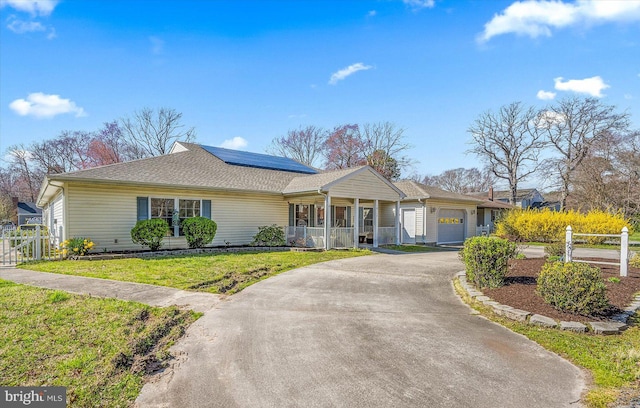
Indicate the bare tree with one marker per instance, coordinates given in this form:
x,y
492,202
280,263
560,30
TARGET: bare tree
x,y
344,148
21,164
385,148
152,133
509,143
305,144
609,176
462,181
572,126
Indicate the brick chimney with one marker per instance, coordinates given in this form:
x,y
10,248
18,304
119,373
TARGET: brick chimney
x,y
491,193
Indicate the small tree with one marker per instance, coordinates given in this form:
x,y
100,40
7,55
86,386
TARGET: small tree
x,y
150,233
199,231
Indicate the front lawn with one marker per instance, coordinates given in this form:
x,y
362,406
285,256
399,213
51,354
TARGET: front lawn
x,y
100,349
218,273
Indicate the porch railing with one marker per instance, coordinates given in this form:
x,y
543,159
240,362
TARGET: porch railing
x,y
386,235
308,237
341,237
23,245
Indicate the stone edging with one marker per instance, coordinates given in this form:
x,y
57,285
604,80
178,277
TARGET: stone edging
x,y
616,326
177,252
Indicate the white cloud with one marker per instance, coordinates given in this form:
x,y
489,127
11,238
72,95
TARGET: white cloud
x,y
592,86
33,7
345,72
419,4
628,96
41,105
235,143
537,18
157,45
372,13
545,95
20,27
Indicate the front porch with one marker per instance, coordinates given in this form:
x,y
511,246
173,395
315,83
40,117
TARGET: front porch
x,y
343,209
340,237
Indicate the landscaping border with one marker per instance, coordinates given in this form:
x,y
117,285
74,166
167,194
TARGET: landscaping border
x,y
615,326
178,252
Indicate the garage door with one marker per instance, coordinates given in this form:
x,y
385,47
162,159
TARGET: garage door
x,y
451,224
408,226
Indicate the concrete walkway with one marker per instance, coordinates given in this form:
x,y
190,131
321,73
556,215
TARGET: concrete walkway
x,y
137,292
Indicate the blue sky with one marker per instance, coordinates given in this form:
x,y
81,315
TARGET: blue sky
x,y
244,72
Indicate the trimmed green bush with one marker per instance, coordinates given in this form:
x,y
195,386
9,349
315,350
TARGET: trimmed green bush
x,y
269,235
199,231
635,260
485,260
150,233
573,287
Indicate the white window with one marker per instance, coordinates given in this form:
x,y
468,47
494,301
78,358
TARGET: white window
x,y
174,211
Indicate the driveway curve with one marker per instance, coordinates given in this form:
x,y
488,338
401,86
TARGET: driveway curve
x,y
377,331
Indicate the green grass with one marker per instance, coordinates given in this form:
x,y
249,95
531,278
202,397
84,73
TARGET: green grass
x,y
219,273
614,361
635,236
414,248
97,348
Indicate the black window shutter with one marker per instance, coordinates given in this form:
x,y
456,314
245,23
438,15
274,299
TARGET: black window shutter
x,y
143,208
348,217
312,215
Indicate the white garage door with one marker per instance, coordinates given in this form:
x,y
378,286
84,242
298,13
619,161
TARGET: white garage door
x,y
409,226
451,224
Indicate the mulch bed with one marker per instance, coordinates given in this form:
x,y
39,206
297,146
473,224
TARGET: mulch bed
x,y
520,290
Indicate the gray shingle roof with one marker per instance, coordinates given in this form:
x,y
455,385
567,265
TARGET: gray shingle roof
x,y
192,168
415,190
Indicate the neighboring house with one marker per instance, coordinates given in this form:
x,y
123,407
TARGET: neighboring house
x,y
239,190
525,198
432,215
488,212
28,213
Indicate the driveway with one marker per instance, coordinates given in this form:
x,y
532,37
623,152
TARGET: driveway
x,y
377,331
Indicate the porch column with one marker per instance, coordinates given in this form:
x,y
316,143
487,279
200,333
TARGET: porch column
x,y
397,222
375,223
327,221
356,224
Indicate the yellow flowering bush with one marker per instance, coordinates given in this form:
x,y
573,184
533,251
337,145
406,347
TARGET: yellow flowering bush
x,y
550,226
76,246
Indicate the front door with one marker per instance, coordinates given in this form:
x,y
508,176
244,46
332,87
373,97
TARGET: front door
x,y
409,226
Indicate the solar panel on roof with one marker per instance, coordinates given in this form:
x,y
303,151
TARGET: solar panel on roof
x,y
261,161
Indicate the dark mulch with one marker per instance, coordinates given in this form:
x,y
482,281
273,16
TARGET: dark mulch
x,y
520,290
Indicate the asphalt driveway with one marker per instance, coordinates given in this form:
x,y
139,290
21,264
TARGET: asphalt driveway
x,y
377,331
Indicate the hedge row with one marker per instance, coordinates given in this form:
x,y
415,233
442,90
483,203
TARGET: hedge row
x,y
550,226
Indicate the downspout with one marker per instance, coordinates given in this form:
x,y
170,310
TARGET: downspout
x,y
424,216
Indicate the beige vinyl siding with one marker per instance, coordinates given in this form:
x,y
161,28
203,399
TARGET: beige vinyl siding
x,y
107,213
57,212
364,185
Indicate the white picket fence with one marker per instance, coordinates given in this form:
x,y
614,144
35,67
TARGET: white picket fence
x,y
624,248
24,245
